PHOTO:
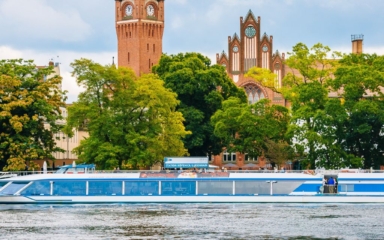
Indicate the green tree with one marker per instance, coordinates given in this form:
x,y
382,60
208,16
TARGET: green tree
x,y
30,101
278,152
360,80
201,88
306,87
246,128
132,122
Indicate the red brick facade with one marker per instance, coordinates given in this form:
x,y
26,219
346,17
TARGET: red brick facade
x,y
139,29
251,49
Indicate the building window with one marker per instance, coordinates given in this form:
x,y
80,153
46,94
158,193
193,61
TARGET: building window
x,y
147,46
248,158
129,57
149,64
154,48
254,93
229,157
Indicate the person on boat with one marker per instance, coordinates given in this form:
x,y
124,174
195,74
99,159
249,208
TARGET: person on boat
x,y
331,181
336,183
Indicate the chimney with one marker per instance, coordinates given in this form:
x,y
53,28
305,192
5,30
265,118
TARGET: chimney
x,y
357,43
51,63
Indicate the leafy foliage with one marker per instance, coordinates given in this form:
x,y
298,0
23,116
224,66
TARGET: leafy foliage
x,y
306,88
201,88
247,128
132,122
30,101
264,77
360,80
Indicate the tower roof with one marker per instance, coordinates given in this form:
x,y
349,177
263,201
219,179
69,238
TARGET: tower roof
x,y
235,36
250,15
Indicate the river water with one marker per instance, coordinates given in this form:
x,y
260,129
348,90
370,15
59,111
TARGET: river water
x,y
192,221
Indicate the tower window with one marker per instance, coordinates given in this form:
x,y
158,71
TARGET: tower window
x,y
129,57
254,94
149,64
152,32
147,46
154,48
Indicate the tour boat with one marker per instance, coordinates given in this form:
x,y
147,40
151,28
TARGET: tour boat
x,y
83,184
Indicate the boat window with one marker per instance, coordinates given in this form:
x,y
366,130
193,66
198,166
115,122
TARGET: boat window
x,y
69,188
105,188
347,188
38,188
252,187
178,188
13,188
215,187
142,188
75,170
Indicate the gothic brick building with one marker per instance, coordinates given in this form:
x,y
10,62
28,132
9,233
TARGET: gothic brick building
x,y
249,49
140,27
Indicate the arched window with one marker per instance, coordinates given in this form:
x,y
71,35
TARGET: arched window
x,y
254,93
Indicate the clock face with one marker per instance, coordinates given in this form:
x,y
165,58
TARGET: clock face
x,y
277,66
250,31
265,48
150,10
128,10
235,49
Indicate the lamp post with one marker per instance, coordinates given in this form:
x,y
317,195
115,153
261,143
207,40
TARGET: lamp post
x,y
271,187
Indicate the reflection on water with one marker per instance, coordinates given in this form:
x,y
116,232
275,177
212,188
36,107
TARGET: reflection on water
x,y
192,221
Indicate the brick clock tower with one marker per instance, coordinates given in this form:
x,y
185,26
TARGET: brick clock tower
x,y
139,29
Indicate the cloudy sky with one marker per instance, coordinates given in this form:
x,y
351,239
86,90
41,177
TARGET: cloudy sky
x,y
64,30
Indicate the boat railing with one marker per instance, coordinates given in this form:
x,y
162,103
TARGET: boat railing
x,y
310,172
6,175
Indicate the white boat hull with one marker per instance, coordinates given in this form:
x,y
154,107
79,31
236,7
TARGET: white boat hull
x,y
190,199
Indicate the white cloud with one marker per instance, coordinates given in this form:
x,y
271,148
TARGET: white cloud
x,y
64,58
35,19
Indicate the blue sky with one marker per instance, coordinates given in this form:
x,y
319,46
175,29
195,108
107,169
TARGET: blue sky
x,y
65,30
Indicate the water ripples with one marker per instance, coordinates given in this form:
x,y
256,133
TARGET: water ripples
x,y
192,221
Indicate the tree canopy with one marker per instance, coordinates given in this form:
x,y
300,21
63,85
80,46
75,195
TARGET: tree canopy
x,y
248,128
30,101
305,86
359,111
132,122
201,88
337,117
